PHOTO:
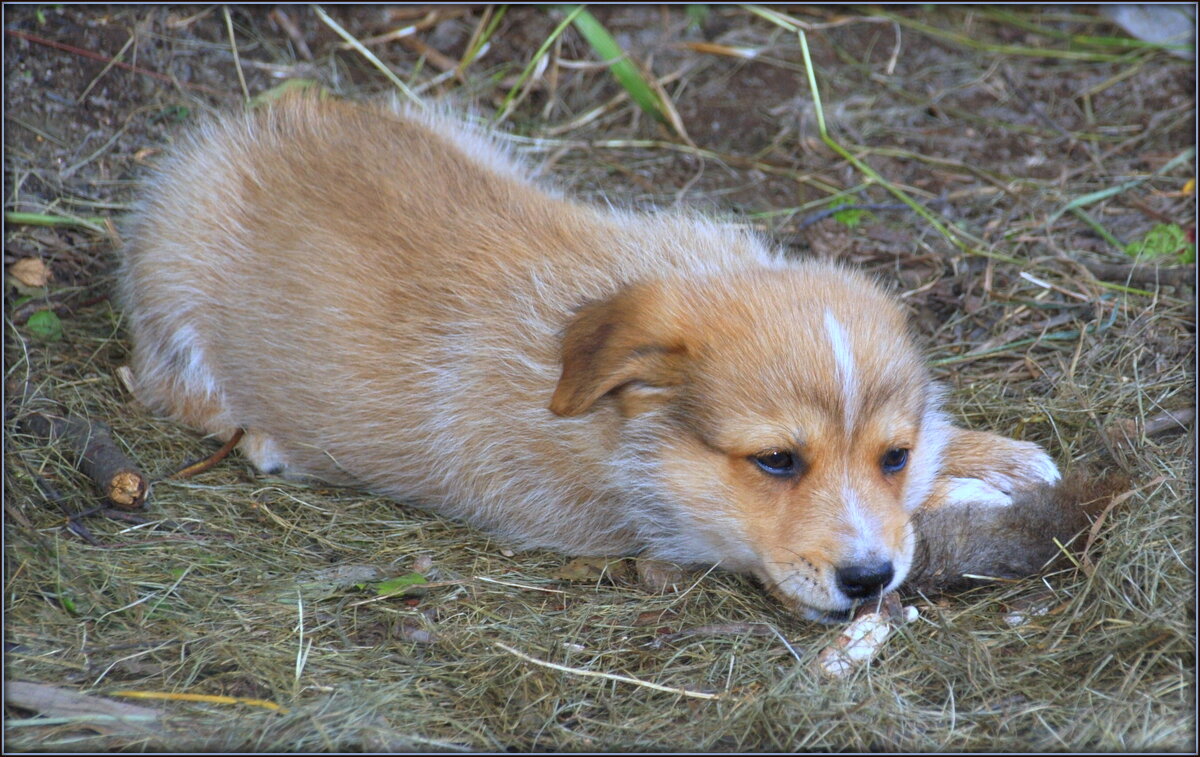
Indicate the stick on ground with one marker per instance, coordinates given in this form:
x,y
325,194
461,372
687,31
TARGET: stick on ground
x,y
96,454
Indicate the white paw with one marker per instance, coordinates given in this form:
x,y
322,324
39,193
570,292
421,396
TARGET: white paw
x,y
1030,467
1043,468
974,491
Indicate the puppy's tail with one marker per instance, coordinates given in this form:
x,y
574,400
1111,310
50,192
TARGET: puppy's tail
x,y
964,546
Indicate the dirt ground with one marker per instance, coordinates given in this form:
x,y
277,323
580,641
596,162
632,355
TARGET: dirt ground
x,y
239,612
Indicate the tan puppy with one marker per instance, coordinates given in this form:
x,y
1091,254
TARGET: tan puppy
x,y
385,299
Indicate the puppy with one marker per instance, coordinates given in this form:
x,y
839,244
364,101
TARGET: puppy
x,y
383,298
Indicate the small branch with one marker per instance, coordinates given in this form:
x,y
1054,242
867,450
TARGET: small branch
x,y
1170,420
98,455
1128,431
69,706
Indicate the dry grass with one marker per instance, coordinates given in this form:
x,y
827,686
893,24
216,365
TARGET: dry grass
x,y
238,585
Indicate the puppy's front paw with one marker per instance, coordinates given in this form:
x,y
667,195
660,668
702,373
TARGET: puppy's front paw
x,y
972,491
979,468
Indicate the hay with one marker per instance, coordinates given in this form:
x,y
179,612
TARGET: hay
x,y
236,585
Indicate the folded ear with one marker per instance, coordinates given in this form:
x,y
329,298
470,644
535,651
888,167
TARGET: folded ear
x,y
629,340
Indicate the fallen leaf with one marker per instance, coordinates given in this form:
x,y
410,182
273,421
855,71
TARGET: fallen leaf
x,y
659,577
408,584
413,631
32,272
592,569
141,156
45,325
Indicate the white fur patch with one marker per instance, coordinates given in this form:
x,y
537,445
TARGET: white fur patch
x,y
843,357
926,461
193,372
973,491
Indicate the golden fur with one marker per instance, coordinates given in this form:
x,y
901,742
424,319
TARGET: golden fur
x,y
384,298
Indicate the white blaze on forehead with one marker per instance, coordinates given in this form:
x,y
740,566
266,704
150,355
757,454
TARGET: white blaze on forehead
x,y
843,358
867,530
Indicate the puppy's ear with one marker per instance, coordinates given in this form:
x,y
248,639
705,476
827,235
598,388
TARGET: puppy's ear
x,y
631,340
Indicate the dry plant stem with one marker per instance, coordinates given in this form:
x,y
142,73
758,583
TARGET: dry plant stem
x,y
210,698
289,27
721,629
237,62
98,456
1085,559
609,676
370,56
213,459
116,58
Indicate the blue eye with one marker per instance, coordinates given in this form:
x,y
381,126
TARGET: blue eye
x,y
894,460
777,462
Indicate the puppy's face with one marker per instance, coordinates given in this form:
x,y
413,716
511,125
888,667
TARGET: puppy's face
x,y
780,423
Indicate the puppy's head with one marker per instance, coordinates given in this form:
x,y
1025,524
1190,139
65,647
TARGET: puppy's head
x,y
777,422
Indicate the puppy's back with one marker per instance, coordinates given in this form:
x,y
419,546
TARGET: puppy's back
x,y
379,296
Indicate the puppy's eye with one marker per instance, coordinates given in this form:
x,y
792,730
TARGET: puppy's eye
x,y
894,460
777,462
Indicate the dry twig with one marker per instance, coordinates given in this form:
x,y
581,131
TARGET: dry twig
x,y
97,455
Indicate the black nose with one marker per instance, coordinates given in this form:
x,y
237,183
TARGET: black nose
x,y
861,581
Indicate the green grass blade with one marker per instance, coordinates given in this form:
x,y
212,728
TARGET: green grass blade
x,y
623,69
1019,21
516,88
476,44
965,40
1092,197
954,237
94,223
